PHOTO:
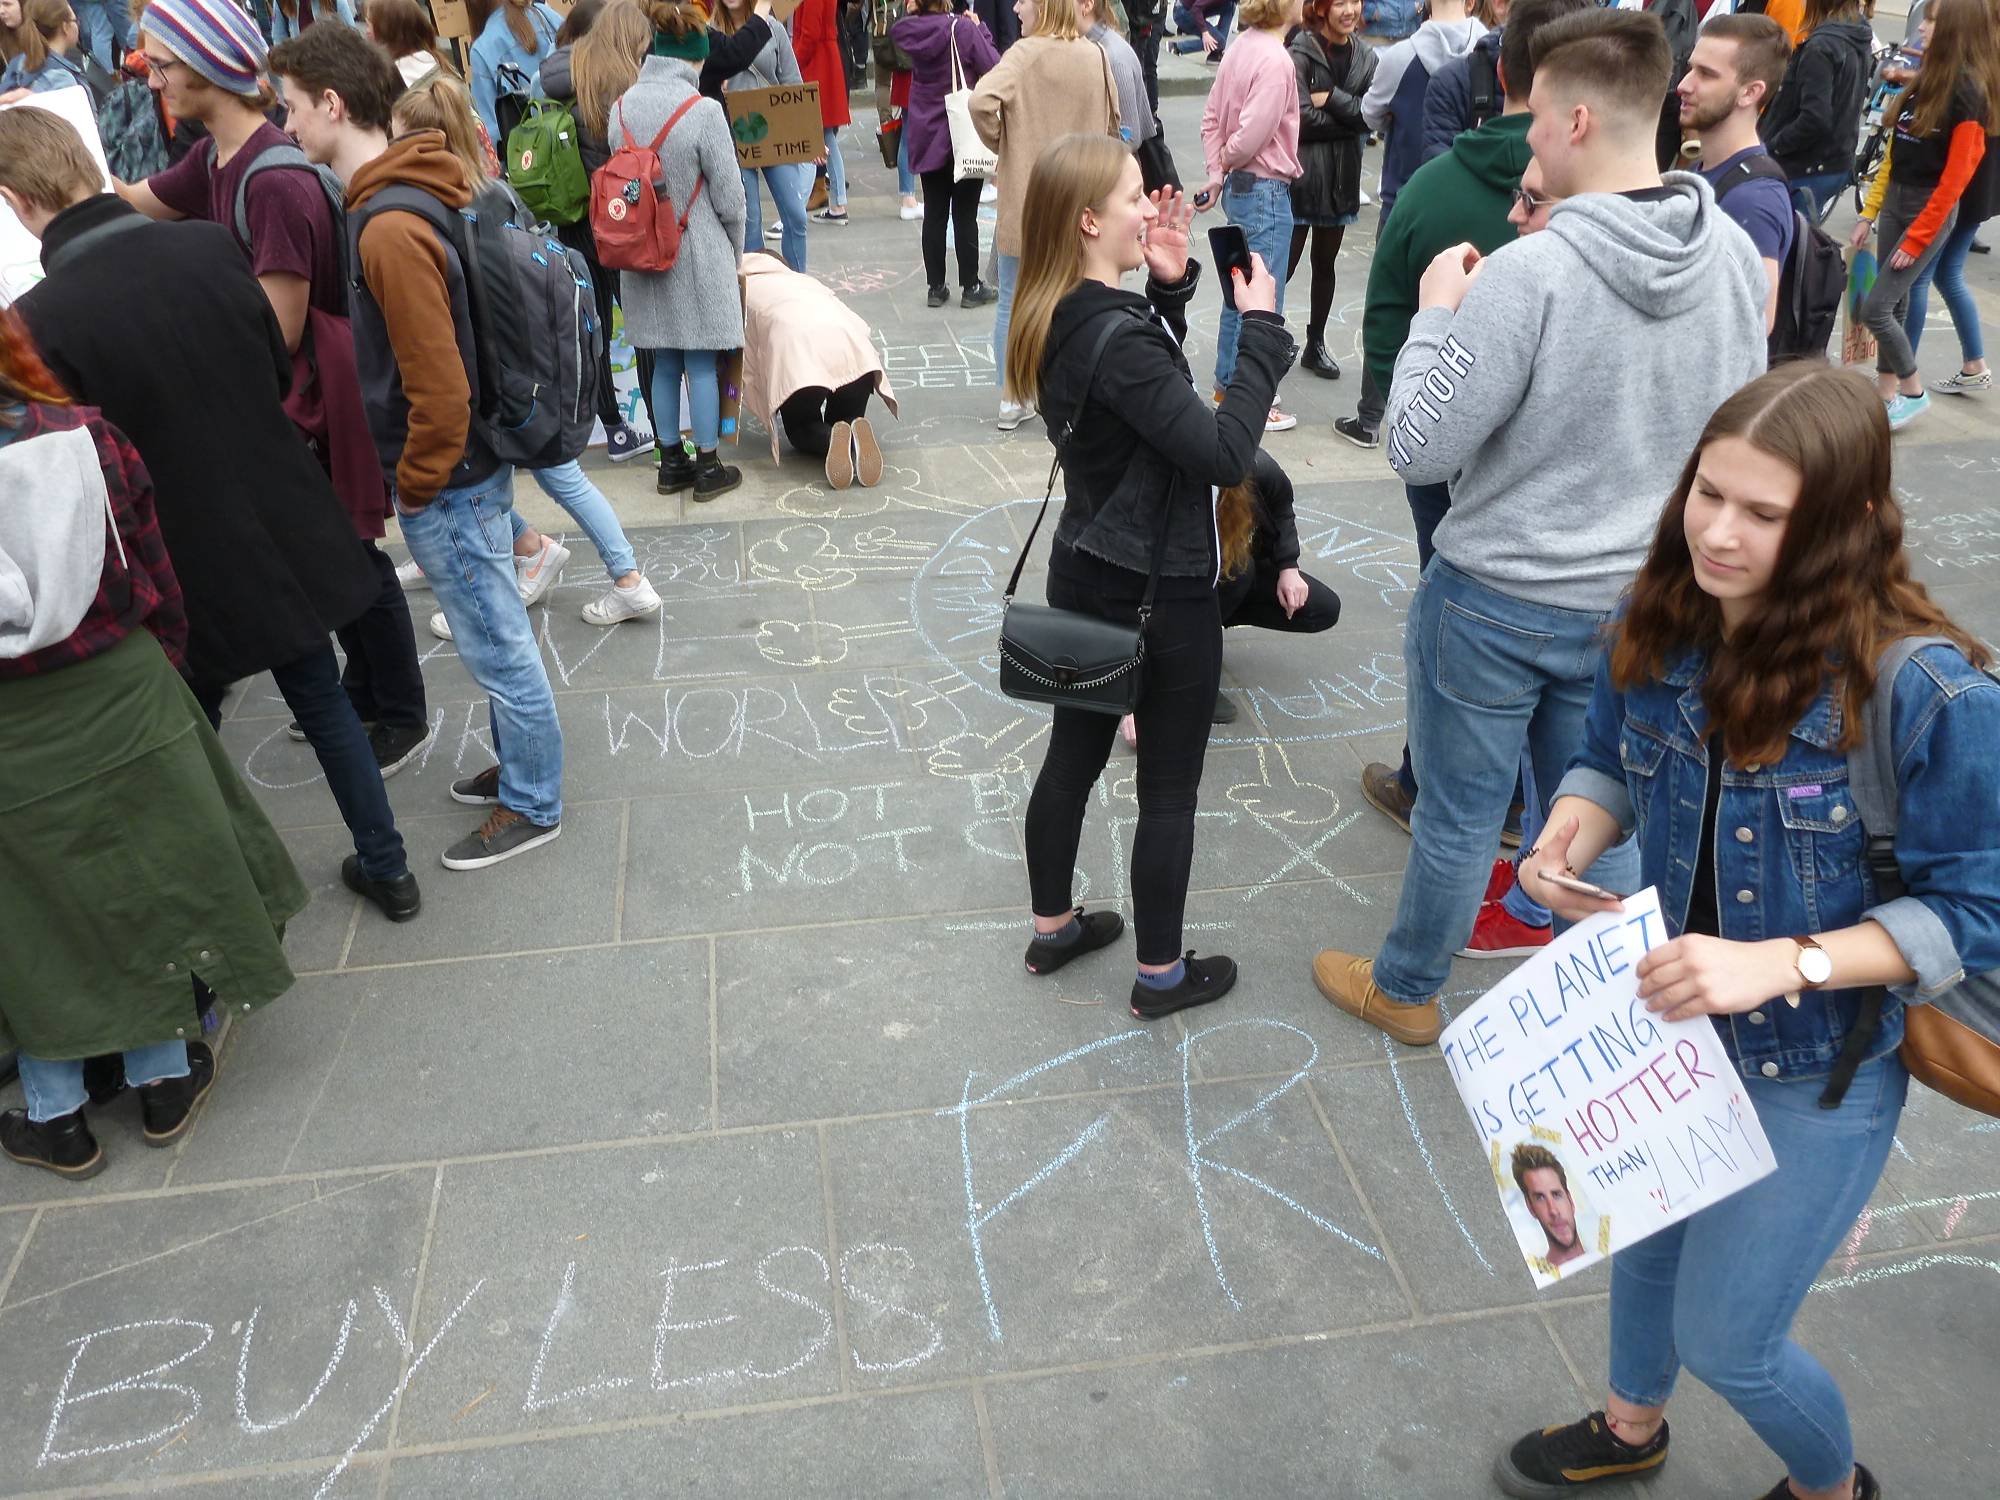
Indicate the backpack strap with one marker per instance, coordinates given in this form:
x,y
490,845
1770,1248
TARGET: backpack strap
x,y
283,156
454,227
1758,164
1483,78
660,183
76,245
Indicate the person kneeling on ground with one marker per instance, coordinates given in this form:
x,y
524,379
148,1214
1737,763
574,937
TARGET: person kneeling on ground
x,y
809,363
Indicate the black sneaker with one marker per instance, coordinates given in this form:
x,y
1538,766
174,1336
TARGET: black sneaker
x,y
1225,709
937,296
399,899
676,469
1100,930
1206,980
1317,361
713,477
395,746
504,834
979,294
296,732
1557,1461
63,1145
1865,1487
1357,432
482,790
166,1107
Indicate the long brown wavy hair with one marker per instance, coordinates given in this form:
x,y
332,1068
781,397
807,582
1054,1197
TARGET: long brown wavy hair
x,y
1840,592
606,62
1963,51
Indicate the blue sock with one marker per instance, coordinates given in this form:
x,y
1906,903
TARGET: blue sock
x,y
1165,980
1063,936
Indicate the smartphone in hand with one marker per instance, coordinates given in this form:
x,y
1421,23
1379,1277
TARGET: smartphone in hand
x,y
1232,253
1581,887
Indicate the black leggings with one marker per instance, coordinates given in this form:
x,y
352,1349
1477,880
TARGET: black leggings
x,y
1183,671
1251,598
1326,249
808,414
958,202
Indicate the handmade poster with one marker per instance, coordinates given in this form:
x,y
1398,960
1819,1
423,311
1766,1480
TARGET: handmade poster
x,y
1601,1122
1857,344
20,251
776,127
451,18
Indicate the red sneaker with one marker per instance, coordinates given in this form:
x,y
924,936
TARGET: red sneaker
x,y
1499,882
1497,934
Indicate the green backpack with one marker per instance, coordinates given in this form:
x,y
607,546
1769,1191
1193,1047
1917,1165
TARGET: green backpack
x,y
545,163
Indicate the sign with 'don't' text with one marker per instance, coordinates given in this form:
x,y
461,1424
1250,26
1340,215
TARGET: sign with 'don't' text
x,y
776,127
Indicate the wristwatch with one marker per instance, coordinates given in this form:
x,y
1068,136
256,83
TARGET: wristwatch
x,y
1814,966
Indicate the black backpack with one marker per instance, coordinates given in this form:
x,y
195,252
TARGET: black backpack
x,y
286,157
1813,279
1482,80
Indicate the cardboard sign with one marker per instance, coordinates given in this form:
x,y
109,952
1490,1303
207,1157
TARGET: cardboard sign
x,y
776,127
1601,1121
1857,344
781,11
20,251
451,18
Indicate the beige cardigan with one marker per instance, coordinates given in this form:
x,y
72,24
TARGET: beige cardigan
x,y
1041,91
797,333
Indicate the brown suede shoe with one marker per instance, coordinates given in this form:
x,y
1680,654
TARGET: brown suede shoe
x,y
1384,790
1349,982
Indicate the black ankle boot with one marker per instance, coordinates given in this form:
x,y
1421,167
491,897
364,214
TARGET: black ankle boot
x,y
63,1145
676,468
1318,361
165,1107
713,477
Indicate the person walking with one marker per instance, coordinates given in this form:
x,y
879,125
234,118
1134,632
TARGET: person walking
x,y
1142,456
1776,582
106,750
816,39
1942,120
946,52
1813,123
1334,68
1250,138
1052,83
687,316
1980,201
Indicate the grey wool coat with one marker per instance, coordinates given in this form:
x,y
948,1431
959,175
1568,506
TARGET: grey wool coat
x,y
696,305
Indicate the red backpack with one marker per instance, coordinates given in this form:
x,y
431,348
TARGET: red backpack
x,y
630,213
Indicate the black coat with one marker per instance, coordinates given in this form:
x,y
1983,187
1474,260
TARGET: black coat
x,y
1329,183
1813,125
163,328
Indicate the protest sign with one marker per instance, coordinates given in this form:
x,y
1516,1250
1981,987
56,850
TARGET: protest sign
x,y
1602,1122
451,18
20,251
776,127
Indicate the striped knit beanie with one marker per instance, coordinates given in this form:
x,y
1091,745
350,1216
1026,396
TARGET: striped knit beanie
x,y
214,37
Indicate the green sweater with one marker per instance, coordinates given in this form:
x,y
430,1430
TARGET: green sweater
x,y
1463,195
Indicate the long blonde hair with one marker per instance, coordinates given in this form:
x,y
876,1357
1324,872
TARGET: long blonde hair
x,y
1058,19
1074,173
439,103
606,61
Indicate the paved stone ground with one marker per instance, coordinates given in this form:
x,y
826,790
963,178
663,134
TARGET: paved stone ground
x,y
725,1149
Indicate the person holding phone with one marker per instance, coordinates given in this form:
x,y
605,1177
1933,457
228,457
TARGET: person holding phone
x,y
1142,467
1718,732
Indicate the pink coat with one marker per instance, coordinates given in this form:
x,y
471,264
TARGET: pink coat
x,y
798,333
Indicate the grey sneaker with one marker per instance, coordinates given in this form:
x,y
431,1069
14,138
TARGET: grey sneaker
x,y
1962,384
482,790
504,834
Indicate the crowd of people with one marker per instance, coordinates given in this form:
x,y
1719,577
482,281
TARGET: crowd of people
x,y
1639,659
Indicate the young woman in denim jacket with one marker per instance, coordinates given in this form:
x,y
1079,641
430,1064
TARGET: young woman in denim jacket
x,y
1720,725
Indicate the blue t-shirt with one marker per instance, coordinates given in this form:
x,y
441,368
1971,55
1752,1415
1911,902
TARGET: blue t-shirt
x,y
1762,205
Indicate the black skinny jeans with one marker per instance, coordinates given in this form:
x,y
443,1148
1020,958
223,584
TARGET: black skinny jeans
x,y
808,414
1251,598
1183,671
960,203
383,679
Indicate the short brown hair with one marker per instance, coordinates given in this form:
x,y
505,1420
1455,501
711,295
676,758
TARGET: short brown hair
x,y
1616,59
42,158
1526,20
1530,1158
1763,48
340,60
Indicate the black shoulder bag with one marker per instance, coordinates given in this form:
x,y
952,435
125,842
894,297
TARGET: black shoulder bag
x,y
1062,657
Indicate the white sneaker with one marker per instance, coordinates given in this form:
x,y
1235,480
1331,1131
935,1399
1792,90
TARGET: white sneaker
x,y
777,227
619,604
990,193
910,211
1013,414
440,626
1280,420
411,576
537,575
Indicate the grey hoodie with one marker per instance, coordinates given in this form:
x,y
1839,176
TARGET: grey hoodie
x,y
53,509
1562,398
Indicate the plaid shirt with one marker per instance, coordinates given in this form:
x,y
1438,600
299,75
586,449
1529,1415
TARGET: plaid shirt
x,y
140,591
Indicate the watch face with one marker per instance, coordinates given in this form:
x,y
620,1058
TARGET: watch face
x,y
1815,965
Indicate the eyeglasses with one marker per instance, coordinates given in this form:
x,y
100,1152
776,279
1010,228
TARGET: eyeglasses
x,y
157,66
1528,202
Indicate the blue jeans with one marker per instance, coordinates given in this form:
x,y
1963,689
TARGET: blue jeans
x,y
1488,676
108,32
570,487
906,180
1746,1264
465,545
1262,208
1948,269
836,170
1192,23
1003,313
704,392
55,1089
1810,194
789,186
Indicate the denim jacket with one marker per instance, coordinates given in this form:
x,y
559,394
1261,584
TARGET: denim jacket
x,y
1789,845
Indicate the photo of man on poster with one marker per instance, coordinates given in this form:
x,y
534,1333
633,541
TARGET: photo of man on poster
x,y
1544,1185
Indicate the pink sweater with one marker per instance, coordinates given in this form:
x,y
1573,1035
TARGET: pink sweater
x,y
1251,123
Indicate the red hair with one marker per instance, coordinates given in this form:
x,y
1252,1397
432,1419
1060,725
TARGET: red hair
x,y
23,376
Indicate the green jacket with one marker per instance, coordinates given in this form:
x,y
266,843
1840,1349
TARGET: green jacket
x,y
1462,195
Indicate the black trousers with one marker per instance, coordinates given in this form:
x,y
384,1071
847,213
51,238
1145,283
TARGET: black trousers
x,y
1183,670
959,202
1251,598
383,680
808,414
